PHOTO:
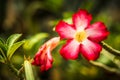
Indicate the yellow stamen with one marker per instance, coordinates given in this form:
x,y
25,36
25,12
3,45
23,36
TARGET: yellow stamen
x,y
80,36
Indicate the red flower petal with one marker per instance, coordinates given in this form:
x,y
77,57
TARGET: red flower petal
x,y
90,50
70,50
46,67
37,59
81,19
46,62
65,30
43,57
97,32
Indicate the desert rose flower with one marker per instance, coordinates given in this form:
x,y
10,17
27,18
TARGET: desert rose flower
x,y
81,36
43,57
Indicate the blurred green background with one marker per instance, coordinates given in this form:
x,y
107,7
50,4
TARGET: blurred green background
x,y
36,20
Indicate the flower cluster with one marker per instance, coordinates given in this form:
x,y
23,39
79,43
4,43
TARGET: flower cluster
x,y
82,37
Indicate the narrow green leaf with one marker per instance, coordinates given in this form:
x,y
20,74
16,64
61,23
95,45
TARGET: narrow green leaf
x,y
3,47
3,54
2,59
28,70
11,40
13,48
3,51
33,40
2,41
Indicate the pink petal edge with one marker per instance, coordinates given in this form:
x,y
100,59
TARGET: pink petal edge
x,y
65,30
81,19
97,32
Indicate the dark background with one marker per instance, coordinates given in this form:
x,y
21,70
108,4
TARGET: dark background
x,y
31,17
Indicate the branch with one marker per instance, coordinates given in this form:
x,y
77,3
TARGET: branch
x,y
98,64
110,49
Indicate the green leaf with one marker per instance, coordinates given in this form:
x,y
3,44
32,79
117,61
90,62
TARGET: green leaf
x,y
3,54
11,40
3,47
2,59
2,41
33,40
3,50
28,70
13,48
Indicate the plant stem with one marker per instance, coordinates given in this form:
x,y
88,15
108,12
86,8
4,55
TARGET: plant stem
x,y
111,57
28,70
3,54
15,70
12,68
98,64
110,49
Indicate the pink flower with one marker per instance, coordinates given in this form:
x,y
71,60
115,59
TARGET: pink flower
x,y
43,57
82,37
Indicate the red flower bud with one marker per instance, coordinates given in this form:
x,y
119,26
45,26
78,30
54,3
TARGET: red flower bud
x,y
43,57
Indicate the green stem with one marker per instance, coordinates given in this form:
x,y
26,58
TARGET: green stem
x,y
111,57
28,70
110,49
12,68
15,70
20,75
3,54
98,64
